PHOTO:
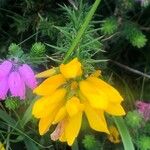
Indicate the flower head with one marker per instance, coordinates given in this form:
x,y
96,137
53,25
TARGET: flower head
x,y
14,78
67,95
144,109
72,69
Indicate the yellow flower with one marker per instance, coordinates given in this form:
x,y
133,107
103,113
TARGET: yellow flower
x,y
50,85
66,98
114,135
72,69
101,95
1,146
47,73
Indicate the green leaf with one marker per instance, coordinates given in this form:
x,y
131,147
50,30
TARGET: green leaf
x,y
28,114
30,145
75,145
8,119
62,30
126,138
55,47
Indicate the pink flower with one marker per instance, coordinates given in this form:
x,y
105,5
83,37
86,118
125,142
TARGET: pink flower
x,y
5,68
144,109
28,76
14,79
3,88
16,85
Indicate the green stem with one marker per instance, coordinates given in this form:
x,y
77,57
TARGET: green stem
x,y
75,145
123,130
143,85
82,29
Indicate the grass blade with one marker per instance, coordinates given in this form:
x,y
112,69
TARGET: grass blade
x,y
123,130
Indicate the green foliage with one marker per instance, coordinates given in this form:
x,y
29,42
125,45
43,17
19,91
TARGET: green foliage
x,y
124,133
38,49
109,26
90,43
146,129
46,25
20,23
12,103
145,3
15,50
134,119
57,25
134,35
34,56
90,142
144,142
128,4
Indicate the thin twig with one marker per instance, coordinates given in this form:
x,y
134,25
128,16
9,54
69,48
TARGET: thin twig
x,y
108,38
73,4
130,69
145,28
28,38
53,59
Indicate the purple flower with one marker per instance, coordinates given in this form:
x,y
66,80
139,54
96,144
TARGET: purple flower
x,y
16,85
14,79
144,109
3,88
28,76
5,68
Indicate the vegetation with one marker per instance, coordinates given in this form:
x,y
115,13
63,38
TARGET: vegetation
x,y
111,36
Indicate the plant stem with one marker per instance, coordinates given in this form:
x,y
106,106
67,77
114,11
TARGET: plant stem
x,y
82,29
75,145
143,85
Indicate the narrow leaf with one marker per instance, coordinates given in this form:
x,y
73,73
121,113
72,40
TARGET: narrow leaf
x,y
28,114
8,119
126,138
30,145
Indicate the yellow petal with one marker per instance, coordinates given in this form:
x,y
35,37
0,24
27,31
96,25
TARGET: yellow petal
x,y
115,109
60,115
45,123
73,106
96,73
47,73
63,137
112,93
72,128
49,86
96,119
1,146
114,135
71,69
46,105
96,97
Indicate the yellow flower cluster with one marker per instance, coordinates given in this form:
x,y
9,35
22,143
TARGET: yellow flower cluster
x,y
66,96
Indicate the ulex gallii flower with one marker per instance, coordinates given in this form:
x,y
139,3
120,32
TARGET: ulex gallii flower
x,y
66,96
